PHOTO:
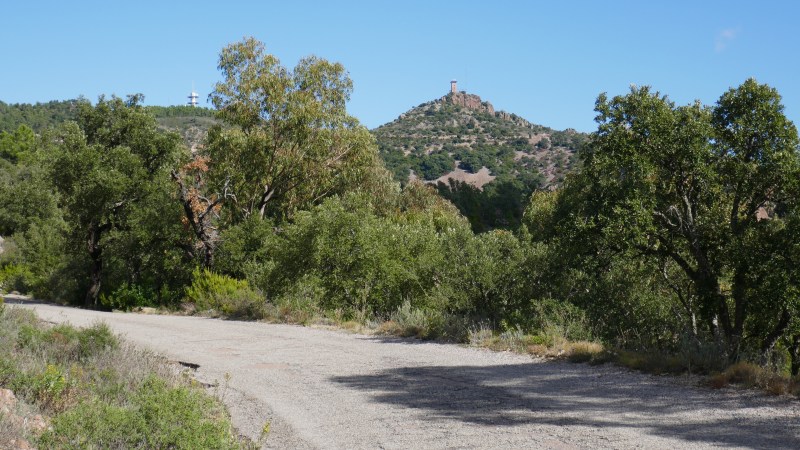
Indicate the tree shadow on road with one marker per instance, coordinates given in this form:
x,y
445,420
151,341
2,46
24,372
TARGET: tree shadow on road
x,y
563,394
16,299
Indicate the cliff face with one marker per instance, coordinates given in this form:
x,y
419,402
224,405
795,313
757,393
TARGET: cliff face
x,y
468,101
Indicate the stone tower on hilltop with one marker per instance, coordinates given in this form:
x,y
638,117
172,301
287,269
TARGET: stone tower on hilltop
x,y
453,87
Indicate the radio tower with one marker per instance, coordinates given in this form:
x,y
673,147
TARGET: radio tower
x,y
193,97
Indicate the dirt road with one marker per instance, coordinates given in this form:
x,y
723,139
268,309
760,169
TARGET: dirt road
x,y
328,389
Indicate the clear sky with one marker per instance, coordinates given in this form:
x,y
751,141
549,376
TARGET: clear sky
x,y
545,61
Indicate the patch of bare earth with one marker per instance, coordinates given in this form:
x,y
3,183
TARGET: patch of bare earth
x,y
478,179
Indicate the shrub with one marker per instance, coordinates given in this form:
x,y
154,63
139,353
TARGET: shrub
x,y
750,375
560,321
127,297
655,363
51,388
701,356
410,321
101,393
158,416
229,296
65,343
584,351
15,277
300,303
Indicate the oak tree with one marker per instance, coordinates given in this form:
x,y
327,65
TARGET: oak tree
x,y
106,165
707,193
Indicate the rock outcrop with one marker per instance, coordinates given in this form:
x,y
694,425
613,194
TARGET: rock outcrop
x,y
468,101
18,423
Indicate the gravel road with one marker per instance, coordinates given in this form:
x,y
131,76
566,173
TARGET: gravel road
x,y
329,389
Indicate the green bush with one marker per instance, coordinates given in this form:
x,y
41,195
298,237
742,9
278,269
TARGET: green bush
x,y
127,297
300,303
15,277
244,248
411,321
158,416
557,320
428,323
365,264
101,393
229,296
65,343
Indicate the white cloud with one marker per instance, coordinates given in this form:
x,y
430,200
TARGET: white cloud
x,y
724,39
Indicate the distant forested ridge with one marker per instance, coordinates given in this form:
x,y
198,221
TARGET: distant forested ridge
x,y
191,122
180,111
37,116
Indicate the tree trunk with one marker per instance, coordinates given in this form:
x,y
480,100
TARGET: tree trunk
x,y
794,353
96,267
739,311
208,255
772,337
200,221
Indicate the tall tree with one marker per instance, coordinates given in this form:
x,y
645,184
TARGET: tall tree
x,y
289,141
104,166
704,190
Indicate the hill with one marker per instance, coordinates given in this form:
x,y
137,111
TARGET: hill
x,y
485,161
191,123
38,117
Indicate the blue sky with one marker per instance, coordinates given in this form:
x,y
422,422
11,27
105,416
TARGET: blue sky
x,y
545,61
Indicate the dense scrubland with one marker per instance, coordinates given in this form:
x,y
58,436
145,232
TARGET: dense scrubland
x,y
671,246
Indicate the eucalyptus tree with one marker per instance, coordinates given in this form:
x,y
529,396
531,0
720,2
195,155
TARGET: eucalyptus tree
x,y
288,140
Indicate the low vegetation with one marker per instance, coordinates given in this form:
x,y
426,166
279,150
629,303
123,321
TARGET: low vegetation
x,y
91,389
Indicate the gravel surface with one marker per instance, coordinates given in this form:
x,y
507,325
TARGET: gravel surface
x,y
329,389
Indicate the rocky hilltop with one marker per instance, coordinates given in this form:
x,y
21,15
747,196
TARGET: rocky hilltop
x,y
462,137
468,101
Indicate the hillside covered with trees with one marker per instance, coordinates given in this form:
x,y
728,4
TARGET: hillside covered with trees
x,y
192,123
37,117
486,162
671,231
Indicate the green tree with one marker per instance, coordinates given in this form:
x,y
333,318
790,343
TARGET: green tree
x,y
705,193
25,197
16,145
289,140
106,167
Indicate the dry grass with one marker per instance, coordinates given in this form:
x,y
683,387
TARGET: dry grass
x,y
584,351
748,375
547,346
654,363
